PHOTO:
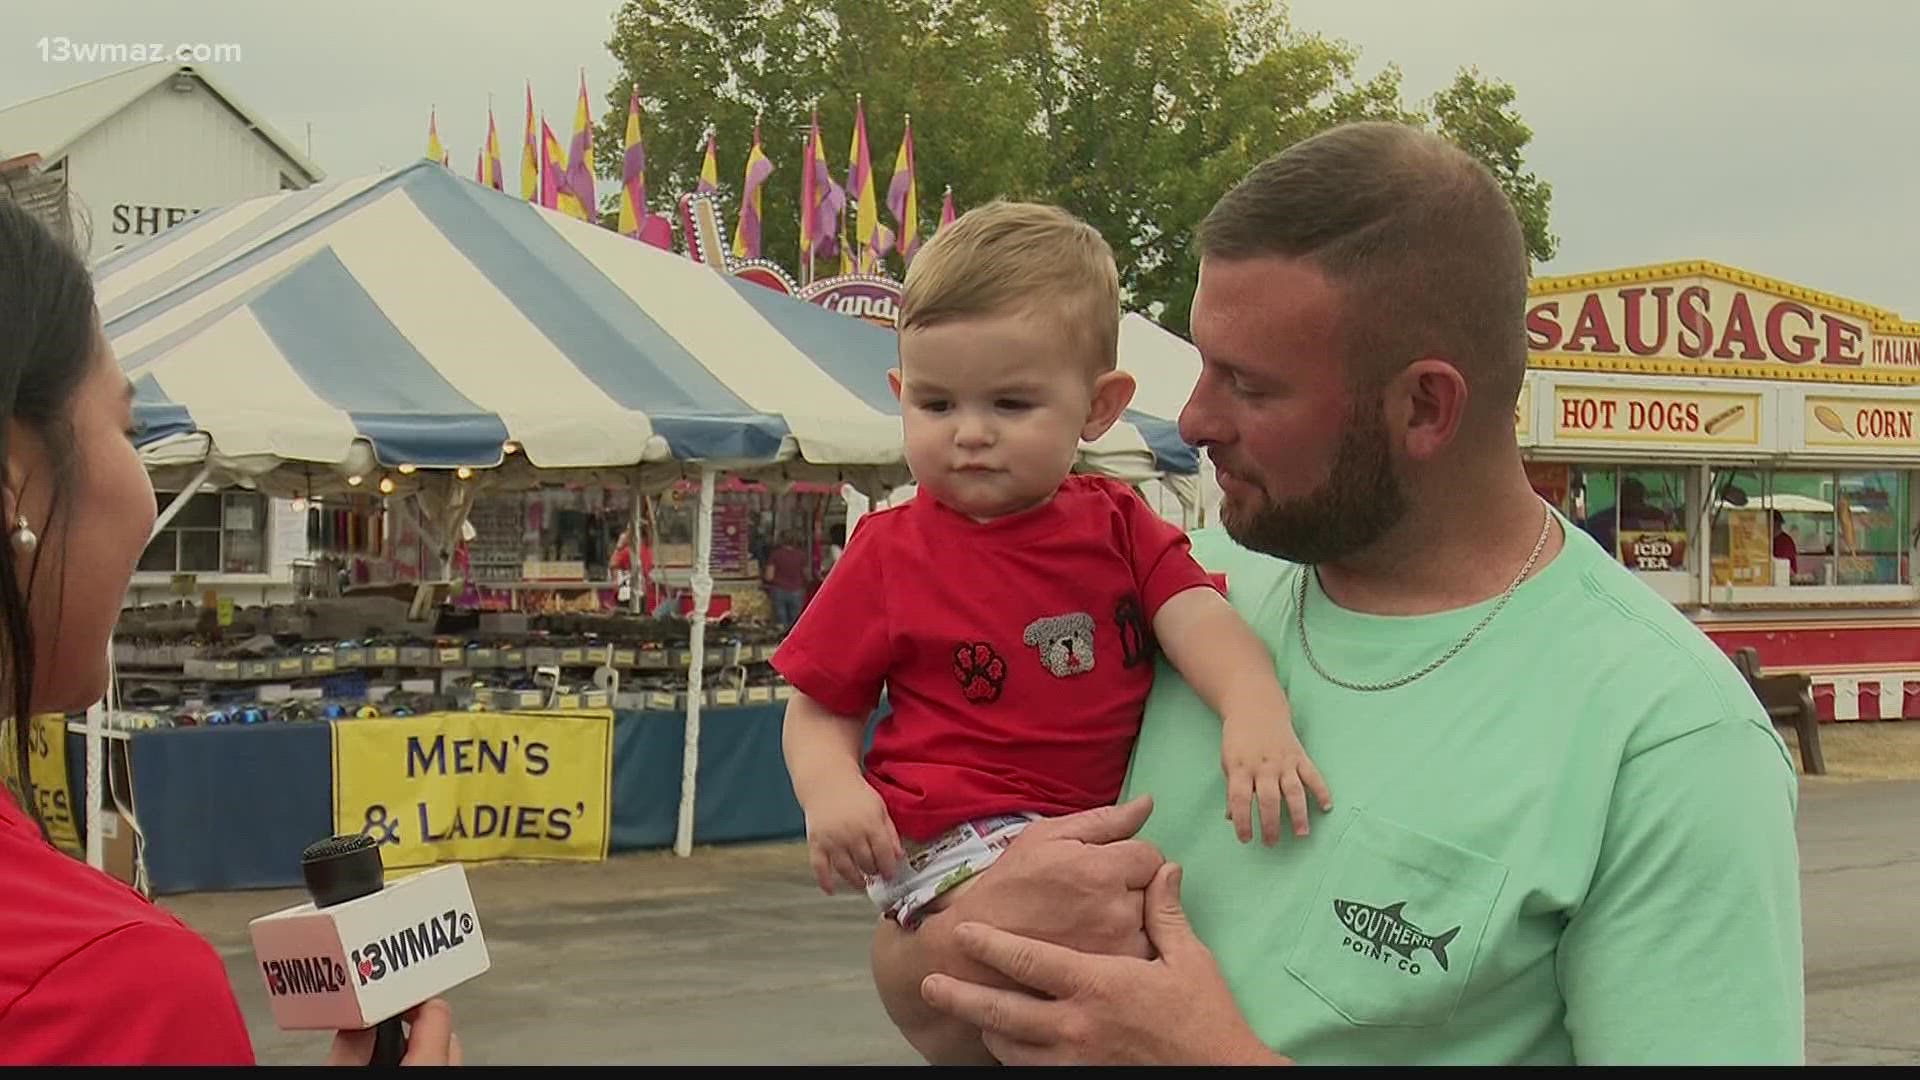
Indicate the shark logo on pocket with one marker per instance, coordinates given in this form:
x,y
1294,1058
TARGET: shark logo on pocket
x,y
1373,932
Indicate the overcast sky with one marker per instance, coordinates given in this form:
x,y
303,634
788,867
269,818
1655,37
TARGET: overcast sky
x,y
1775,135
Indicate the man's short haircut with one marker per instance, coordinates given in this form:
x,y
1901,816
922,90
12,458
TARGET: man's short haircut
x,y
1020,258
1416,233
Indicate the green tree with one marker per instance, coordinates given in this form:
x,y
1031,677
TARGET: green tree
x,y
1134,114
1478,116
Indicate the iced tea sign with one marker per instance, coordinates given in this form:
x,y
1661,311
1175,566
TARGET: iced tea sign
x,y
1608,414
1654,550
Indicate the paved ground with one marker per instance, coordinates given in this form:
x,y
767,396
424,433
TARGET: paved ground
x,y
734,956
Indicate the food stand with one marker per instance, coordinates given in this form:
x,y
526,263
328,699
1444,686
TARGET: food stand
x,y
1747,446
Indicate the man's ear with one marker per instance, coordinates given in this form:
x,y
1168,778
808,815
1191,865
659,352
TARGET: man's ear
x,y
1427,405
893,382
1112,393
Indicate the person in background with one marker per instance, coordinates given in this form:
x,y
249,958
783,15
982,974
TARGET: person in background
x,y
91,972
1784,546
786,577
836,546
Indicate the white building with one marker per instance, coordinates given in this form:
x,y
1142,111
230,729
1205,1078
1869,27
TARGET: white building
x,y
149,147
118,160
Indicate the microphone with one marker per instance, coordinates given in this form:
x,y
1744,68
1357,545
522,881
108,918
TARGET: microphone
x,y
360,954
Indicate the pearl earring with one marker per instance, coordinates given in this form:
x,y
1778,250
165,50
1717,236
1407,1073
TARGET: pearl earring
x,y
24,539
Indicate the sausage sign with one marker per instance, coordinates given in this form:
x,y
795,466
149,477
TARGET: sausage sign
x,y
1606,414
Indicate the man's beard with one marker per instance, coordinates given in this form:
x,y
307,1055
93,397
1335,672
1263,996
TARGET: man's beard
x,y
1358,503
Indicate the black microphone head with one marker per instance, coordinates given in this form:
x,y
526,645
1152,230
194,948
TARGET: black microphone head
x,y
342,868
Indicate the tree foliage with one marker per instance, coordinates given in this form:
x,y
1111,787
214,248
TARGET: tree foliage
x,y
1134,114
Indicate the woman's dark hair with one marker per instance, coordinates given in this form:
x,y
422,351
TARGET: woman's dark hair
x,y
47,337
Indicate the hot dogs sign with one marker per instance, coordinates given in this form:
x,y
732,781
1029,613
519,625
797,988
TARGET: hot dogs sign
x,y
1633,415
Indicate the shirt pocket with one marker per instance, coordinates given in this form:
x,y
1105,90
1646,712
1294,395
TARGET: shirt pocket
x,y
1392,935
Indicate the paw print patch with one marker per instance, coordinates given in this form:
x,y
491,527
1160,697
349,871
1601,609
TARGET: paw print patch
x,y
980,671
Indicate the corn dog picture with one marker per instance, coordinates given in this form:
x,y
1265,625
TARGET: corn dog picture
x,y
1724,419
1829,419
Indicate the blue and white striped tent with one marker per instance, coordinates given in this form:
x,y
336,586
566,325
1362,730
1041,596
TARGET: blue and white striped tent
x,y
416,318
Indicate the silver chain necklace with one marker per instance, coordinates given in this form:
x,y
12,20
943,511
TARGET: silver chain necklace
x,y
1300,608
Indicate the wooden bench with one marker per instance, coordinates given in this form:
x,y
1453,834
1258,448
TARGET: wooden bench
x,y
1788,700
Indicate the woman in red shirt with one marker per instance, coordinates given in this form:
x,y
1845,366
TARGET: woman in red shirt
x,y
90,971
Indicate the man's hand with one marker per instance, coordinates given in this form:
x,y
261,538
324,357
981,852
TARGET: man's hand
x,y
1103,1010
1078,880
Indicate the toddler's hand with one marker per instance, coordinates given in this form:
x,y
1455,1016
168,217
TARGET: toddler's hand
x,y
1263,759
850,834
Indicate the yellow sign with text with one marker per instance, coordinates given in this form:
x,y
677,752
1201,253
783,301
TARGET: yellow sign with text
x,y
1610,414
1749,558
1523,412
476,786
47,772
1863,422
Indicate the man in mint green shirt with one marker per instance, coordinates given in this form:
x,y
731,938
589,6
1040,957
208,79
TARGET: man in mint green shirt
x,y
1563,830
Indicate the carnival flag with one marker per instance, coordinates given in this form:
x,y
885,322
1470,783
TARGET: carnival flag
x,y
746,232
822,200
860,187
530,157
494,179
635,221
580,159
903,197
564,199
633,172
946,208
435,150
551,157
809,199
710,166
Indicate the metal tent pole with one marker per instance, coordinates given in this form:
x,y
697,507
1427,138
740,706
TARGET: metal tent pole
x,y
697,645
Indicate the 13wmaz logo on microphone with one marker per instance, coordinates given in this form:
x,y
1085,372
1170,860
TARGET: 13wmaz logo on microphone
x,y
413,944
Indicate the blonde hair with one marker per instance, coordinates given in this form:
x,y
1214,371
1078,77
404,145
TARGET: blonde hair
x,y
1019,258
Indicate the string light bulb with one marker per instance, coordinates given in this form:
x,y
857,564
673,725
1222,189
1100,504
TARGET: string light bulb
x,y
510,447
354,481
386,485
406,470
463,472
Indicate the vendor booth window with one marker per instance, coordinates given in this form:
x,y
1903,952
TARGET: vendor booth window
x,y
1638,514
216,532
1801,528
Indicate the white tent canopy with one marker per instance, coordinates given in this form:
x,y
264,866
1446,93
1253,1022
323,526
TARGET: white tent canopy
x,y
415,318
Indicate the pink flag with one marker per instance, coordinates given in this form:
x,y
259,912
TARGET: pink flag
x,y
832,199
633,172
549,168
579,182
903,197
493,180
746,233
